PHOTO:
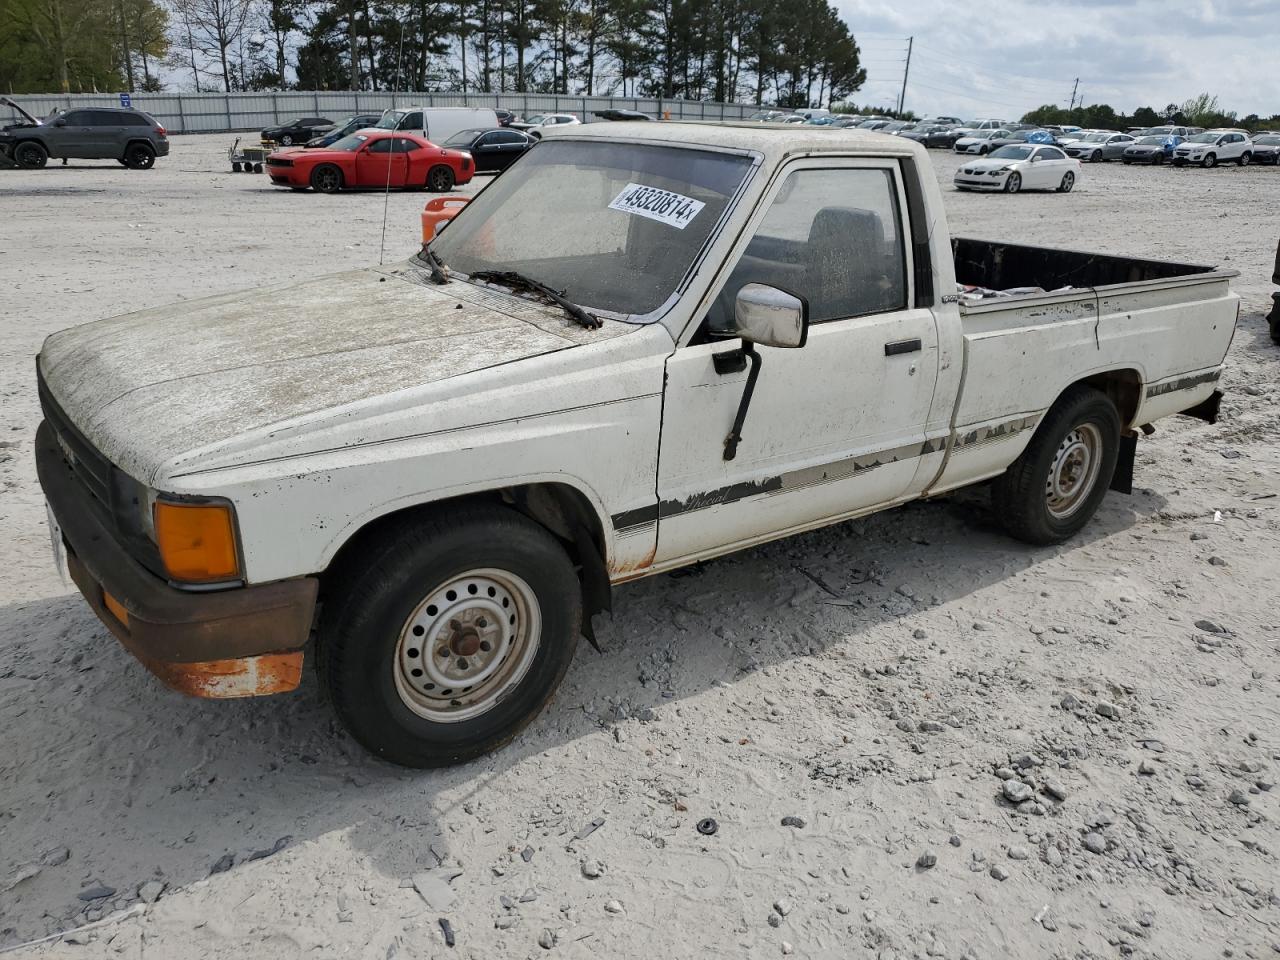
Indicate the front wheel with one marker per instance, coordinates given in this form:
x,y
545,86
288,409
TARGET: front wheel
x,y
30,155
440,179
1157,159
1053,489
326,178
1096,157
1068,181
286,141
1210,161
1014,183
446,637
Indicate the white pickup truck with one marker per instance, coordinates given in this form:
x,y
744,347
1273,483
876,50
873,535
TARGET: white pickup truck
x,y
642,346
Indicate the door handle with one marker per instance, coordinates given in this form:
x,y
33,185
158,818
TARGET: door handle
x,y
902,346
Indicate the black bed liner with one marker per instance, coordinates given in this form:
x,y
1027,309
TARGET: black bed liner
x,y
1003,266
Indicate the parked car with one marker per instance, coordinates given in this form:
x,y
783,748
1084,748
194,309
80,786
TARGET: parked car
x,y
299,130
492,151
931,135
1155,149
451,460
345,129
371,160
844,123
540,120
980,141
875,123
1170,130
1020,167
130,137
1099,146
505,117
767,116
438,124
622,115
1212,147
1266,148
1031,135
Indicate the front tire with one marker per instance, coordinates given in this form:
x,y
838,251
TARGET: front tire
x,y
326,178
1210,161
1054,488
32,156
1013,184
480,598
1096,157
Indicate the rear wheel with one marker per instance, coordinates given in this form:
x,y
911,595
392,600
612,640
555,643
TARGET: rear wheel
x,y
1210,160
326,178
1245,158
139,156
1014,183
30,155
235,167
1068,181
440,179
447,637
286,141
1054,488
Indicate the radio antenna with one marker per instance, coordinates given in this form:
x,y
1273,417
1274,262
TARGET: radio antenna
x,y
386,196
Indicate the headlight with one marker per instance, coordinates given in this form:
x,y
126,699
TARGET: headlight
x,y
996,173
197,540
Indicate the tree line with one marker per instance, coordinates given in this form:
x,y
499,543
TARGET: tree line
x,y
792,53
1200,111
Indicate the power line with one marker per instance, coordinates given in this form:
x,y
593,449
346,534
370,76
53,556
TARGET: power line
x,y
988,68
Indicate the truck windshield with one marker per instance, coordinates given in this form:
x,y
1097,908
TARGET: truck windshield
x,y
613,226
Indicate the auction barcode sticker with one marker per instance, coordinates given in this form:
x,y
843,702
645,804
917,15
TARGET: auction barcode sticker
x,y
664,206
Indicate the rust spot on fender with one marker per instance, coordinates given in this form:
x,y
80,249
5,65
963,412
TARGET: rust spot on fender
x,y
229,679
629,570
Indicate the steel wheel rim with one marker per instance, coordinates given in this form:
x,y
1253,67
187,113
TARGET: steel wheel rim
x,y
481,643
1074,471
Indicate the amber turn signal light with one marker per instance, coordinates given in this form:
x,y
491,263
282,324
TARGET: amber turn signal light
x,y
197,541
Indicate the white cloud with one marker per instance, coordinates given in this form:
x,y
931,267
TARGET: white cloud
x,y
1007,58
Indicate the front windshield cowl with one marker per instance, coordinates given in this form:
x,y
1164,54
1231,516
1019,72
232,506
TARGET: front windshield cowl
x,y
613,226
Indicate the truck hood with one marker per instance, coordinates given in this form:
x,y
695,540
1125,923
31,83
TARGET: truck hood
x,y
29,118
150,387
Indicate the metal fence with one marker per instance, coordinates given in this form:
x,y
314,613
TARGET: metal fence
x,y
224,112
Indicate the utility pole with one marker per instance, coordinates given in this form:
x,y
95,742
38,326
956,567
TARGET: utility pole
x,y
902,97
1074,87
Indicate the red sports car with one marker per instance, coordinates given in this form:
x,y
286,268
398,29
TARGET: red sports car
x,y
372,158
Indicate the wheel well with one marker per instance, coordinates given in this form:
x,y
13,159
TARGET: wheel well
x,y
560,508
1124,387
36,140
142,140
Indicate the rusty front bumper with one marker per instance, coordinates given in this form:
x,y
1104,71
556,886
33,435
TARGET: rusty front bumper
x,y
241,642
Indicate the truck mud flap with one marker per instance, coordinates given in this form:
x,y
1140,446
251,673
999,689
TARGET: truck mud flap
x,y
1122,479
1207,409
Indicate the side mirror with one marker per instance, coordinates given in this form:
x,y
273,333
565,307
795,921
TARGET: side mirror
x,y
770,317
1035,158
60,122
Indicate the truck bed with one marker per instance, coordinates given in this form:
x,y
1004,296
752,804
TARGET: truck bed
x,y
1152,333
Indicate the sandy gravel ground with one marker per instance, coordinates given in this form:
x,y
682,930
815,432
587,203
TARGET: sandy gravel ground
x,y
1127,681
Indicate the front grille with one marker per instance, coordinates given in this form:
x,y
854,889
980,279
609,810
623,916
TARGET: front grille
x,y
91,468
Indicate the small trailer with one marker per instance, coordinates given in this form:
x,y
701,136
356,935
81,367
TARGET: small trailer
x,y
248,159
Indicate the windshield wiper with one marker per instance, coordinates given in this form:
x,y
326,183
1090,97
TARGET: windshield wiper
x,y
439,272
513,279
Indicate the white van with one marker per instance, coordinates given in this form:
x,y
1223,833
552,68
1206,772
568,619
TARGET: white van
x,y
437,124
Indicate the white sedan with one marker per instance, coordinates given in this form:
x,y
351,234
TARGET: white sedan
x,y
1015,167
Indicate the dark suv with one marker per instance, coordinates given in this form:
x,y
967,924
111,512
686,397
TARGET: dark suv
x,y
85,133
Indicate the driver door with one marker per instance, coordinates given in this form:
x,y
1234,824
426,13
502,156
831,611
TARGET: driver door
x,y
380,163
834,426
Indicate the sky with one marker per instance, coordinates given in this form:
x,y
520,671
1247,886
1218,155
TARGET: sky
x,y
1003,59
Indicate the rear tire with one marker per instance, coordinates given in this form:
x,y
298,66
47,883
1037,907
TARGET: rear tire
x,y
1068,181
400,617
139,156
1053,489
440,179
32,156
1245,158
326,178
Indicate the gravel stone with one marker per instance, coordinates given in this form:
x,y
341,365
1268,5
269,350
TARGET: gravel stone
x,y
1015,791
783,906
927,860
547,938
592,869
150,891
1019,853
797,822
613,906
1094,842
1108,710
998,872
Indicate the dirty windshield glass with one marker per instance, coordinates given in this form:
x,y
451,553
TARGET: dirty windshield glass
x,y
614,226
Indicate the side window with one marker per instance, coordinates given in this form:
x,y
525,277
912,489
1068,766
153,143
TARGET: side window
x,y
77,118
135,120
510,137
411,121
1052,153
404,145
380,146
833,237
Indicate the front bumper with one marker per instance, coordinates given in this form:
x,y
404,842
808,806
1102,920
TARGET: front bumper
x,y
241,642
981,183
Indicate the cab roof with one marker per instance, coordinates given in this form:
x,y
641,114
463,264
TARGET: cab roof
x,y
772,140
